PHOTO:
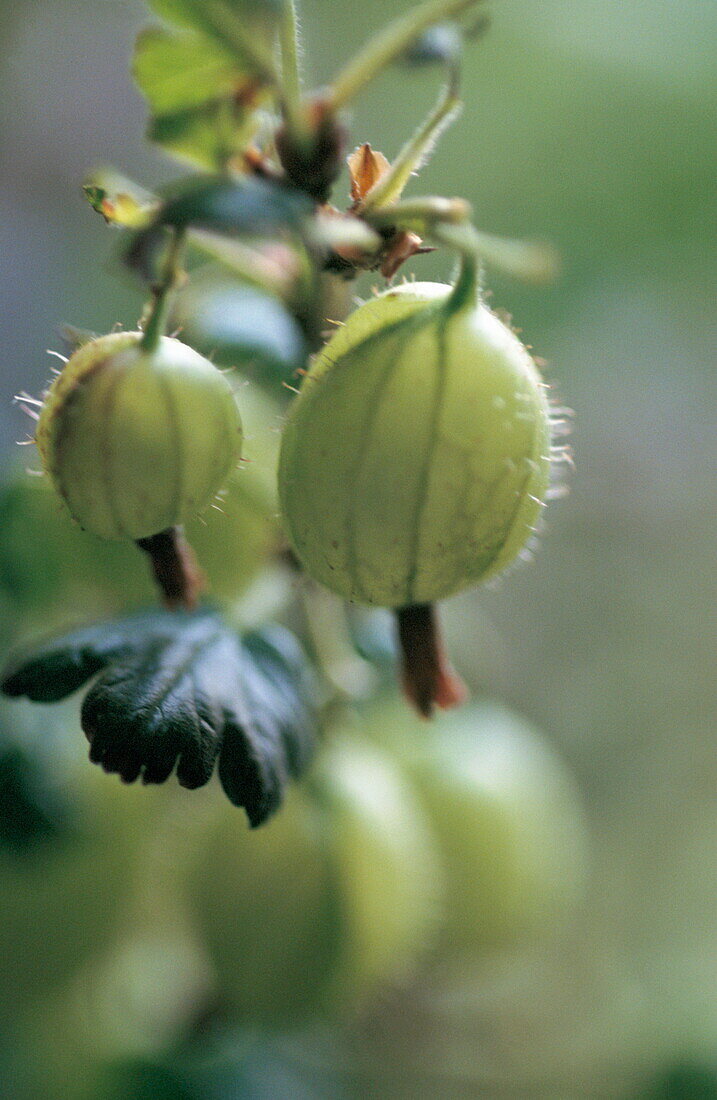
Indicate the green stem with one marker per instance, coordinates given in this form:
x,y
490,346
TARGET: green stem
x,y
447,222
528,260
388,45
290,71
277,276
415,152
419,214
157,315
467,284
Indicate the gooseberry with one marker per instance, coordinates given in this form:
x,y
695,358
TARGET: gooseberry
x,y
136,440
508,816
415,460
335,898
49,566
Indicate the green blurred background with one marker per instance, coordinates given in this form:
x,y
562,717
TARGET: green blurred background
x,y
591,124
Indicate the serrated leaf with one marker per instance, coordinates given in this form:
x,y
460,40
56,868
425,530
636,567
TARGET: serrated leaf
x,y
181,690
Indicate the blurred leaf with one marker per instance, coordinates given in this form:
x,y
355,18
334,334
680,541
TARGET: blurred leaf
x,y
246,206
176,71
441,44
200,97
144,1080
213,15
32,812
202,135
241,327
182,689
688,1081
273,266
119,200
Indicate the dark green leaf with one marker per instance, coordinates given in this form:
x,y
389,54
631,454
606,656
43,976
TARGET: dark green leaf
x,y
144,1080
63,665
32,811
182,690
247,206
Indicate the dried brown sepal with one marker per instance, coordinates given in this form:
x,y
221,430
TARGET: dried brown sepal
x,y
366,167
175,568
401,247
427,677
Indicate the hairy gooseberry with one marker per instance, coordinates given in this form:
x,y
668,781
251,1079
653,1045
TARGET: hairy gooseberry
x,y
136,440
416,458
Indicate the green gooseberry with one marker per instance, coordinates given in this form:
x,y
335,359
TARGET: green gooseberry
x,y
336,898
50,566
416,459
137,440
508,816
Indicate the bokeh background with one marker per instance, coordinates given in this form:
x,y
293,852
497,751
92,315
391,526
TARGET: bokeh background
x,y
590,124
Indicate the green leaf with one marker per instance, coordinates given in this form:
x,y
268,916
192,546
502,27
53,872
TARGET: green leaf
x,y
199,135
211,15
181,690
201,97
176,71
246,206
204,82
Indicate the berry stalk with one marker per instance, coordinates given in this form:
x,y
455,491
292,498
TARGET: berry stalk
x,y
156,321
175,568
427,677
